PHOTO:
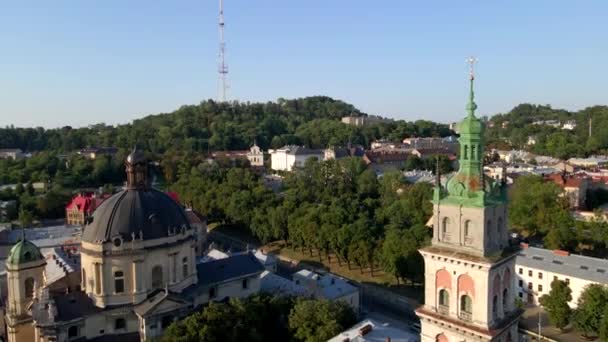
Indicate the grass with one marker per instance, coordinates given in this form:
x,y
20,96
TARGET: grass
x,y
380,278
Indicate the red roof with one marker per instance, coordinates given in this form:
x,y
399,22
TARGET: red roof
x,y
174,195
86,203
565,181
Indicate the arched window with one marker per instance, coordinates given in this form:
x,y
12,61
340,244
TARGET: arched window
x,y
473,152
499,228
73,331
84,280
29,287
441,338
185,267
119,282
444,297
466,152
157,277
466,307
495,306
27,256
489,230
468,226
445,228
505,300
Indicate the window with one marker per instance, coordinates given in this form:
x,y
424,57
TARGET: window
x,y
505,300
29,287
166,322
185,267
466,307
540,275
120,323
521,283
540,288
529,273
84,279
568,281
530,286
521,295
467,231
119,282
157,277
73,332
466,152
444,298
245,283
584,267
473,153
495,306
445,226
521,270
212,293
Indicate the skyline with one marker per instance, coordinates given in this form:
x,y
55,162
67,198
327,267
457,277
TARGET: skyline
x,y
77,64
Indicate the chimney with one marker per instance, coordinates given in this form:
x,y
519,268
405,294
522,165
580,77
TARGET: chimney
x,y
366,329
560,252
524,245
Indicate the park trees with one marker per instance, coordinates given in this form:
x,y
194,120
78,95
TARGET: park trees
x,y
319,320
556,303
590,309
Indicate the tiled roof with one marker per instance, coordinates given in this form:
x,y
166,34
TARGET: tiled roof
x,y
575,266
86,203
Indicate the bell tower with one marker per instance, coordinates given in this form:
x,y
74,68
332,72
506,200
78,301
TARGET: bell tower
x,y
25,271
469,265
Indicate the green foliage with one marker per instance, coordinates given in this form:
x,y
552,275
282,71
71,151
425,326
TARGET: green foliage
x,y
590,309
319,320
263,318
556,303
552,141
537,208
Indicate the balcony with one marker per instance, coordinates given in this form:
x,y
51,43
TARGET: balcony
x,y
466,316
443,309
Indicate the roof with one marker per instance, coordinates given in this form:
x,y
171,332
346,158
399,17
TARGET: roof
x,y
86,203
234,266
277,285
194,217
128,337
328,285
385,157
299,150
379,333
135,210
10,150
74,305
157,298
59,264
22,252
566,181
575,266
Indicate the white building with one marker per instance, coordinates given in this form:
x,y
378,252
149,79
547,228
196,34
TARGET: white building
x,y
255,155
328,286
288,157
536,268
569,125
11,153
373,331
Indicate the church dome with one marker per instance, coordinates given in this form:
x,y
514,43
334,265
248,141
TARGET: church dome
x,y
22,252
470,125
132,212
139,211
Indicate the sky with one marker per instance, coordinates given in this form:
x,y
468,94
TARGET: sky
x,y
84,62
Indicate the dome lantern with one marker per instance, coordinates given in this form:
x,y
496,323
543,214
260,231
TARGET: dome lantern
x,y
137,170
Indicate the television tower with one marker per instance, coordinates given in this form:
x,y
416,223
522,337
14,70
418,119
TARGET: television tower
x,y
222,66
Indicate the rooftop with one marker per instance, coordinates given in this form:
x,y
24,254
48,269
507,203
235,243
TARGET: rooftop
x,y
328,285
575,266
378,333
234,266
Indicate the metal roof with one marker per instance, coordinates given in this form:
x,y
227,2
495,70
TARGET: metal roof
x,y
232,267
575,266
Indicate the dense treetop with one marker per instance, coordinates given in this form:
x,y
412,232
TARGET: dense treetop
x,y
313,121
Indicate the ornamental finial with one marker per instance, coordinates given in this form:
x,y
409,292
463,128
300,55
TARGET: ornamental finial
x,y
471,106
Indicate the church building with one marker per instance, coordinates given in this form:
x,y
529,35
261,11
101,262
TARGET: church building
x,y
138,272
469,267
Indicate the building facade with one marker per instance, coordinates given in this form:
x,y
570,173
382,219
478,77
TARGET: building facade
x,y
536,268
137,272
469,266
255,156
81,207
289,157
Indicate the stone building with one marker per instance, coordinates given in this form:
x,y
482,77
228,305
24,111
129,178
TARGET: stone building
x,y
81,207
469,266
255,156
138,272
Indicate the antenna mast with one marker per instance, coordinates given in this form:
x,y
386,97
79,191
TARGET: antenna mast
x,y
222,67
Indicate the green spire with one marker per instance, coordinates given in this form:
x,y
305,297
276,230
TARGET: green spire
x,y
471,106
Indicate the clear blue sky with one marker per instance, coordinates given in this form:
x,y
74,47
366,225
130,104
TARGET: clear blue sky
x,y
82,62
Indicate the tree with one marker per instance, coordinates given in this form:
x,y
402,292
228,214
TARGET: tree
x,y
590,309
556,303
25,218
319,320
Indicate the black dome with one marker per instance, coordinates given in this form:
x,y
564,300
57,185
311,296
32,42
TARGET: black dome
x,y
131,211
